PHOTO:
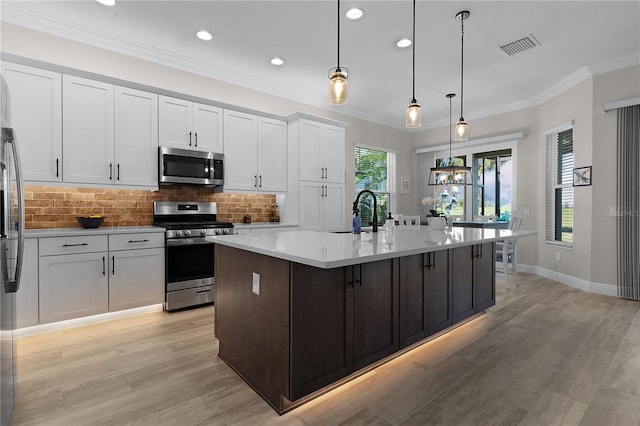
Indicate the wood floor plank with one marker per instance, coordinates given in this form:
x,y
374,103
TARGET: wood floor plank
x,y
546,354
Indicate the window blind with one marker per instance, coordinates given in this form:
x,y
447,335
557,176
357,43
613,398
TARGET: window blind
x,y
559,187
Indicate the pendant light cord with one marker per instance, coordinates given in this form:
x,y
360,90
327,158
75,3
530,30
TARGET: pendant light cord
x,y
338,69
461,66
413,41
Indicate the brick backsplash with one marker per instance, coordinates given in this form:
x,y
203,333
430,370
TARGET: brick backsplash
x,y
57,207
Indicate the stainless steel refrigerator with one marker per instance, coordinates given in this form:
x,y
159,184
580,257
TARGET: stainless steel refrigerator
x,y
11,253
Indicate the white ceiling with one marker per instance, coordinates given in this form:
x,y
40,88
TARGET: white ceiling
x,y
577,39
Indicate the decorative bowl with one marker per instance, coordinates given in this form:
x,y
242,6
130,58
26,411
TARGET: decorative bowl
x,y
88,222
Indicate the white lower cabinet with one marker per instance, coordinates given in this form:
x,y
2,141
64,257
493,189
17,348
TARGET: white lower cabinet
x,y
27,296
136,277
321,206
75,283
73,286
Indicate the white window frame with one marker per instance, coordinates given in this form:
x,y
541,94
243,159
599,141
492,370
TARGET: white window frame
x,y
551,185
391,173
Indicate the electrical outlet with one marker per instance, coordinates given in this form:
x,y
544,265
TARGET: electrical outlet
x,y
557,256
255,285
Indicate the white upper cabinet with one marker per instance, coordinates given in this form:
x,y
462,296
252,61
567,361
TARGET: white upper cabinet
x,y
136,137
88,131
321,152
272,155
36,116
189,125
110,134
255,153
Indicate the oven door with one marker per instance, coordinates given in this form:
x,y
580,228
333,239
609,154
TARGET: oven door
x,y
189,263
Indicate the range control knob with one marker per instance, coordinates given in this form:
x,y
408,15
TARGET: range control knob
x,y
203,232
187,232
227,231
218,231
179,233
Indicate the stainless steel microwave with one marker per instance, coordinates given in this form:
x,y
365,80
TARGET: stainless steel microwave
x,y
185,166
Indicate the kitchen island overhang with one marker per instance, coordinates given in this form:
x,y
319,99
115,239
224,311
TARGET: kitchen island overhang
x,y
298,312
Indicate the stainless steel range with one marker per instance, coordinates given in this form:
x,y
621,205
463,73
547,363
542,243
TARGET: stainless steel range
x,y
189,257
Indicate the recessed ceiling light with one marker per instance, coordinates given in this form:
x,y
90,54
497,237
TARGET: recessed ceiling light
x,y
405,42
204,35
107,2
354,13
277,61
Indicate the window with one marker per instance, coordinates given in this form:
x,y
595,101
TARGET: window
x,y
493,173
559,187
374,170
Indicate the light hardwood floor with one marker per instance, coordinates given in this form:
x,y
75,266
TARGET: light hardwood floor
x,y
545,354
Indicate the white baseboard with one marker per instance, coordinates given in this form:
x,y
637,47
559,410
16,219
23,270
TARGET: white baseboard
x,y
77,322
598,288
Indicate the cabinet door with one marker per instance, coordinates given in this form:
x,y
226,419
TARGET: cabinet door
x,y
87,131
36,116
73,286
27,295
321,327
413,306
175,117
333,147
311,166
207,128
137,278
311,205
272,155
375,311
485,276
438,287
334,208
240,161
136,137
464,298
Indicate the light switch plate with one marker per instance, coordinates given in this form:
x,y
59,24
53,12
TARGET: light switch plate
x,y
255,285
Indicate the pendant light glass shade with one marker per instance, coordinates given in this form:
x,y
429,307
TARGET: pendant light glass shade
x,y
462,128
414,112
414,115
338,77
450,174
462,131
338,87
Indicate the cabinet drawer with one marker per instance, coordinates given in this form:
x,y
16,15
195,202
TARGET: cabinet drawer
x,y
136,241
72,245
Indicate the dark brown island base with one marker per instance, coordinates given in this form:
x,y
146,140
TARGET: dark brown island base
x,y
293,327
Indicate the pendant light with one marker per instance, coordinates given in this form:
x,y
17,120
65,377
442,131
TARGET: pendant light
x,y
414,114
450,174
338,77
462,128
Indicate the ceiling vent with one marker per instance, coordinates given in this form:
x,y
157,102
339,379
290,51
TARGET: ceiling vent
x,y
526,43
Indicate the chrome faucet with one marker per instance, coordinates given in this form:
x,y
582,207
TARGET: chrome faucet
x,y
375,207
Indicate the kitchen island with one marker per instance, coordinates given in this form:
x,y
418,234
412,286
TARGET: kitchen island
x,y
298,313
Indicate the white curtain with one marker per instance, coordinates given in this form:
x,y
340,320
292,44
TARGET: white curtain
x,y
628,224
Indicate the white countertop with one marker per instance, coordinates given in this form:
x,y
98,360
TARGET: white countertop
x,y
106,230
329,250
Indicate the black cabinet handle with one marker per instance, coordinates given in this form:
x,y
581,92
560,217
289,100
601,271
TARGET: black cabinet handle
x,y
431,261
103,268
118,172
189,138
138,241
196,138
255,180
57,167
113,265
260,181
110,171
75,245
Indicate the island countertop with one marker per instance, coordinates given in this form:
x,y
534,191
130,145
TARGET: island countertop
x,y
332,250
